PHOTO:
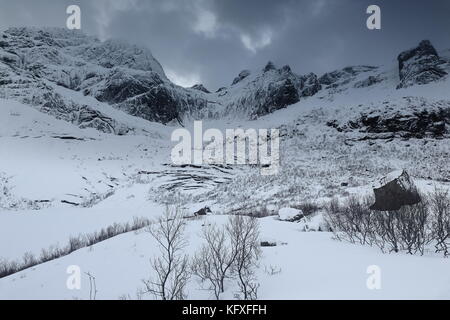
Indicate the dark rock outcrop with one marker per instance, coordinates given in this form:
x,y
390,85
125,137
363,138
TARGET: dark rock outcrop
x,y
203,212
241,76
269,66
337,77
200,87
411,117
278,95
417,125
310,85
370,81
80,115
120,85
420,65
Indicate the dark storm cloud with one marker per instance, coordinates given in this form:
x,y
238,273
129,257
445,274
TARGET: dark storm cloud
x,y
212,40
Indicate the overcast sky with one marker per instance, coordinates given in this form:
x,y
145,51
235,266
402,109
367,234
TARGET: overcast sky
x,y
210,41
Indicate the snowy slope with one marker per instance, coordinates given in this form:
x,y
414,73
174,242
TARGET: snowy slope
x,y
304,266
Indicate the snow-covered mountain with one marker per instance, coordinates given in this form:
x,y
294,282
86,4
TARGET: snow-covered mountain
x,y
36,63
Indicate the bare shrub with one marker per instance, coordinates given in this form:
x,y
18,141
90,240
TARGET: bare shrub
x,y
230,251
307,207
352,221
171,267
49,254
272,270
28,260
214,261
8,267
386,231
261,212
406,229
440,204
413,227
75,243
256,211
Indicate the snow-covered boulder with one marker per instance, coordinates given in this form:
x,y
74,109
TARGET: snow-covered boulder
x,y
312,223
289,214
395,190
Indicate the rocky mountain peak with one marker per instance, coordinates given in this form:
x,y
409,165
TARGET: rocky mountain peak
x,y
420,65
241,76
269,66
200,87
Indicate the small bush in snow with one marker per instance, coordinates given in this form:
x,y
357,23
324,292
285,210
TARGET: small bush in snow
x,y
353,221
404,229
440,204
307,207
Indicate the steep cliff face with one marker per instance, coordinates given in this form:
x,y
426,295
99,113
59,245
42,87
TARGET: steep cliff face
x,y
420,65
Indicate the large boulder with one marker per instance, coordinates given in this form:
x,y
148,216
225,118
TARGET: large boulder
x,y
203,212
420,65
290,214
394,191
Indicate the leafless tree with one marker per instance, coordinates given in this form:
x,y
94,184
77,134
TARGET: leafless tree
x,y
244,234
171,267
